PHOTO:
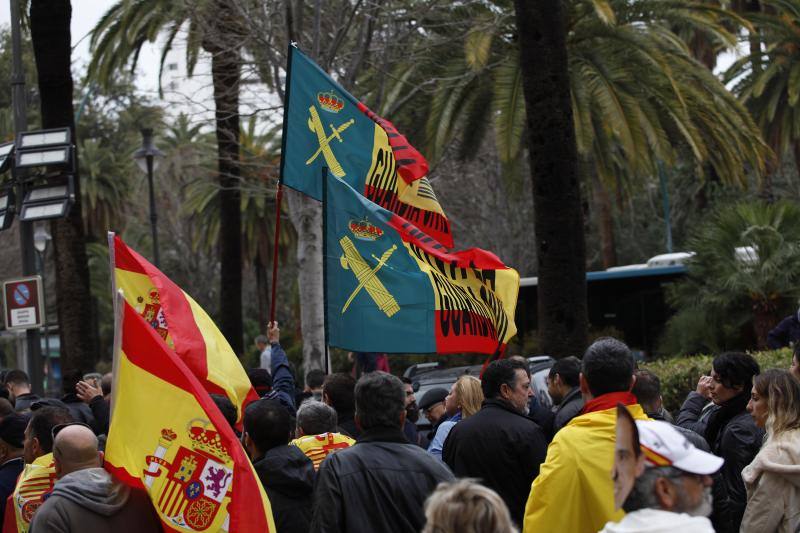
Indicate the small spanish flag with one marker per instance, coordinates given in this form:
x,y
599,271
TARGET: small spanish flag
x,y
181,323
168,438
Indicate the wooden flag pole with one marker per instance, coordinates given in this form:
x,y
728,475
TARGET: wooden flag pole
x,y
278,198
279,193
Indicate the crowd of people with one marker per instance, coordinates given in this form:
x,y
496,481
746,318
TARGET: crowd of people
x,y
344,454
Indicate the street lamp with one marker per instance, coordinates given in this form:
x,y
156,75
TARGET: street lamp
x,y
147,159
41,238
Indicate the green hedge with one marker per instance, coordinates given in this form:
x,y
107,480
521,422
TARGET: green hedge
x,y
679,375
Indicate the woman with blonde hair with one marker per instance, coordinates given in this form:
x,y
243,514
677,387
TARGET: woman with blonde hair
x,y
772,480
464,506
464,400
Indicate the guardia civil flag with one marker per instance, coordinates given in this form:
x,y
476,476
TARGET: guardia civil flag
x,y
168,437
325,126
392,288
181,323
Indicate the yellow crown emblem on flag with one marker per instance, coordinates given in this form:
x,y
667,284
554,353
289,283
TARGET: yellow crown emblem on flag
x,y
364,230
330,101
207,440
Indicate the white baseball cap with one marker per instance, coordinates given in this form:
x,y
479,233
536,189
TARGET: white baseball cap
x,y
663,445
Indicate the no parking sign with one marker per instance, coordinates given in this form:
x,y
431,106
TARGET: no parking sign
x,y
22,303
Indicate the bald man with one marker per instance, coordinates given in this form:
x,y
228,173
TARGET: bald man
x,y
86,497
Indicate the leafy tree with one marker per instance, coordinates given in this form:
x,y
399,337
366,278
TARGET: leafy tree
x,y
745,272
768,80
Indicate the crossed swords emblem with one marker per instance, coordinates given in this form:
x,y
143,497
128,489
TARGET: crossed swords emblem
x,y
315,125
368,277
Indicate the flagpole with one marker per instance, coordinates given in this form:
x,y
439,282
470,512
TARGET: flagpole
x,y
325,263
279,193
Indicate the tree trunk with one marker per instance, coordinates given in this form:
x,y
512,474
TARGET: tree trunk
x,y
605,222
306,216
225,71
50,33
558,223
764,319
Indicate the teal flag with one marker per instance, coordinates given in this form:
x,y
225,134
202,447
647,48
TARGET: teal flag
x,y
392,288
325,126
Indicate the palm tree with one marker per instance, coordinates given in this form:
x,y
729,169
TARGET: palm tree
x,y
50,35
260,162
745,271
637,94
561,251
213,26
772,93
105,188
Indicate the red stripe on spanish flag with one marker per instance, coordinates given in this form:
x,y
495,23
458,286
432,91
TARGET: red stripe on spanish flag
x,y
185,456
182,323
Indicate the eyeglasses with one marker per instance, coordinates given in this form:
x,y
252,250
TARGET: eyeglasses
x,y
58,427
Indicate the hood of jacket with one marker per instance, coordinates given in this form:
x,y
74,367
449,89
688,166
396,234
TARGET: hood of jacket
x,y
287,470
93,489
779,455
658,521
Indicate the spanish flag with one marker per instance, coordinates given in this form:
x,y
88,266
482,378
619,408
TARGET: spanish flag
x,y
168,438
325,126
181,323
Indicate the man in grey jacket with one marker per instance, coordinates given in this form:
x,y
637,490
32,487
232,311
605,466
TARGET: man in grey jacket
x,y
86,497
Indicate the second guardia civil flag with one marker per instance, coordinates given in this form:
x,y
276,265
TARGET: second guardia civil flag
x,y
392,288
325,126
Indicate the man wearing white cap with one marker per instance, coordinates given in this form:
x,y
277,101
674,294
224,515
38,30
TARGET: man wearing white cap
x,y
672,491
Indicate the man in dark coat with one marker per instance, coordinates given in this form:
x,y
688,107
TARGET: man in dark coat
x,y
80,411
563,385
499,444
285,472
12,437
729,430
338,391
380,483
785,333
432,406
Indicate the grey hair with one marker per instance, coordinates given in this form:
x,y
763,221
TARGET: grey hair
x,y
261,339
643,495
315,418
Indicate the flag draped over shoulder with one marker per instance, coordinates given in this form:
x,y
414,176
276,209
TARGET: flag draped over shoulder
x,y
168,437
326,126
182,323
392,288
34,484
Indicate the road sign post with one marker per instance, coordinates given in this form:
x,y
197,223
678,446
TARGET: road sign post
x,y
22,303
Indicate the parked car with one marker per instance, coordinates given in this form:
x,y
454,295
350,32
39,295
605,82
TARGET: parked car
x,y
427,376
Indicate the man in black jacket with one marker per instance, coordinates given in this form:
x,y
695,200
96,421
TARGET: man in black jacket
x,y
563,385
499,444
380,483
285,472
728,428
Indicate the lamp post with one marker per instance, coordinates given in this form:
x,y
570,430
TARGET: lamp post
x,y
147,159
41,238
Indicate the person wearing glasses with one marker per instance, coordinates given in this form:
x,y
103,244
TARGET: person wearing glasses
x,y
85,496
